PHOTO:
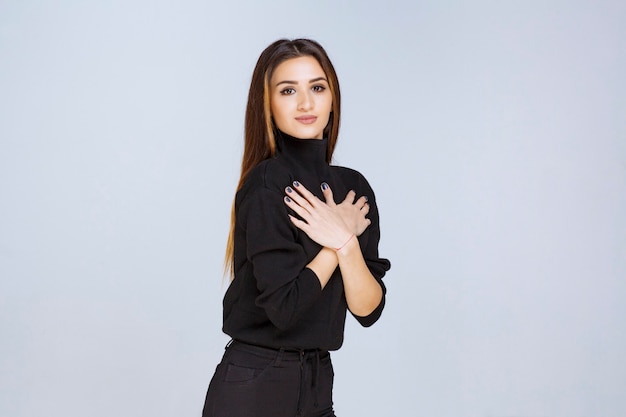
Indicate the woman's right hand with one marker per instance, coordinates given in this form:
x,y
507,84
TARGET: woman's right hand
x,y
352,212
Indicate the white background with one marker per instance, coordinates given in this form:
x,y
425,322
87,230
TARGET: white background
x,y
494,134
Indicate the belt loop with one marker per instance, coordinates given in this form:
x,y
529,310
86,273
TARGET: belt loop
x,y
302,388
279,358
316,376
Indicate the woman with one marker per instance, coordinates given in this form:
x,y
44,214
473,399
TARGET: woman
x,y
298,260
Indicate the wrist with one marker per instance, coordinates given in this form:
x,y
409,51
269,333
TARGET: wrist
x,y
345,245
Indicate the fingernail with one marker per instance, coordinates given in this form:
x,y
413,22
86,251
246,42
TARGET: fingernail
x,y
289,189
366,199
324,186
287,199
296,184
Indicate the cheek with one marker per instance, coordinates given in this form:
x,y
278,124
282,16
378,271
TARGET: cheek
x,y
328,103
277,113
328,108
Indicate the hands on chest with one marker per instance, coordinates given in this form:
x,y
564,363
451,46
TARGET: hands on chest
x,y
325,222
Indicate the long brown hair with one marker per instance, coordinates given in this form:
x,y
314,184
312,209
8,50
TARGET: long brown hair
x,y
259,139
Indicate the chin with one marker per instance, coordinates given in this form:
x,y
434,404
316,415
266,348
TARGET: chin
x,y
305,133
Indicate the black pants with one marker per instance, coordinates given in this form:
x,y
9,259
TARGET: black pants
x,y
253,381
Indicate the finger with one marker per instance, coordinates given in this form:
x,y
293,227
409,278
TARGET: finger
x,y
350,197
361,202
299,223
365,209
297,198
298,209
309,196
363,226
328,194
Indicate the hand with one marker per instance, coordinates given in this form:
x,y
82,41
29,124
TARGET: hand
x,y
322,222
352,212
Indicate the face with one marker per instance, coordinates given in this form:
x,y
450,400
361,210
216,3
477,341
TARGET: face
x,y
300,98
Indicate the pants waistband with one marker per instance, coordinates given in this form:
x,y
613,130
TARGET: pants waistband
x,y
308,358
288,352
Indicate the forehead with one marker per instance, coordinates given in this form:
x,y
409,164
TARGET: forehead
x,y
302,68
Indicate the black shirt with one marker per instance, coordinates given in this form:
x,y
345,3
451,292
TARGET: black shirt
x,y
274,300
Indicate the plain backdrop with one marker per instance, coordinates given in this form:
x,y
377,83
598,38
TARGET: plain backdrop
x,y
494,135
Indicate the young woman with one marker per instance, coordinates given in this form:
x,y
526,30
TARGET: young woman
x,y
299,261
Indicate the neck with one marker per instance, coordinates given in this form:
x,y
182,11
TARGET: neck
x,y
309,153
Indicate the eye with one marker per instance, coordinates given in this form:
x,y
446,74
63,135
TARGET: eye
x,y
318,88
287,91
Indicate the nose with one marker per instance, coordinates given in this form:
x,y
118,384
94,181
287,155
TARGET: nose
x,y
305,101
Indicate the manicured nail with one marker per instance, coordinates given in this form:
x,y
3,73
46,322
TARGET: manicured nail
x,y
366,199
324,186
289,189
296,184
287,199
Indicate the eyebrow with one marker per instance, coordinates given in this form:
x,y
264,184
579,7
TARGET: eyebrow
x,y
295,82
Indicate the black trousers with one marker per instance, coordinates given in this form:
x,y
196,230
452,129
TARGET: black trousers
x,y
254,381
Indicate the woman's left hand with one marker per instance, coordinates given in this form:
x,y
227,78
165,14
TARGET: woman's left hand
x,y
352,212
321,221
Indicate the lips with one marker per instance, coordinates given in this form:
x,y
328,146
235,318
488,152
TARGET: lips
x,y
307,120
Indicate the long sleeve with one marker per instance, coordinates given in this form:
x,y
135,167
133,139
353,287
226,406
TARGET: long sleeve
x,y
287,291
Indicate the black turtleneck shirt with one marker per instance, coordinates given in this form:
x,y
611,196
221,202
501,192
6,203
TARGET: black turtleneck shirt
x,y
274,300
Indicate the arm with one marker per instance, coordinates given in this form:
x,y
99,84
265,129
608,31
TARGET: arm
x,y
335,227
353,214
363,292
269,251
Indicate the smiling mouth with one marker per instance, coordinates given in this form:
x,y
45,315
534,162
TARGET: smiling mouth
x,y
307,120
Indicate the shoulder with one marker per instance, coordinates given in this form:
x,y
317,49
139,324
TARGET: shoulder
x,y
354,178
269,175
